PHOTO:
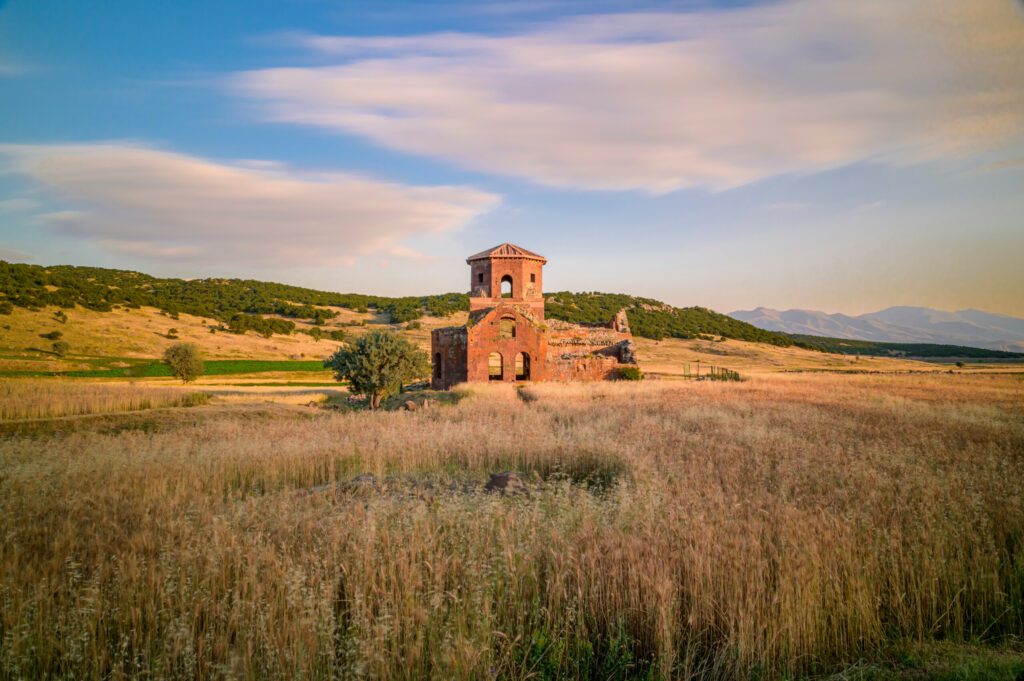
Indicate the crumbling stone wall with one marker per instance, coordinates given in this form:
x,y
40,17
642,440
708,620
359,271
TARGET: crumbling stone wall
x,y
487,334
448,356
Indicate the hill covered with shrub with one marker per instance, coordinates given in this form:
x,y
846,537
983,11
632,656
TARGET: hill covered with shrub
x,y
238,302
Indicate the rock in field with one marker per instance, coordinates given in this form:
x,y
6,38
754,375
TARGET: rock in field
x,y
508,482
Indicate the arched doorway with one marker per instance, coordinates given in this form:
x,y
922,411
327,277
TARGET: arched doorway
x,y
495,367
506,286
522,367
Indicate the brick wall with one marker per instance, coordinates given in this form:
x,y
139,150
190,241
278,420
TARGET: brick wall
x,y
448,347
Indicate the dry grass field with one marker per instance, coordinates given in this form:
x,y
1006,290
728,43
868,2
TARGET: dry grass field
x,y
40,399
859,526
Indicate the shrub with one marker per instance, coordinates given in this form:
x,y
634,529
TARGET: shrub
x,y
185,360
52,335
413,326
377,364
337,335
6,307
60,348
630,373
172,333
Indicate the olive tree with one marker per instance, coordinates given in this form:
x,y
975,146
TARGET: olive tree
x,y
377,364
185,361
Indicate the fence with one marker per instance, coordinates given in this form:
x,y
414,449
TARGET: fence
x,y
709,372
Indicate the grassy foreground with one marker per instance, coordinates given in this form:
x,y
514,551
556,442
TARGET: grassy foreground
x,y
787,525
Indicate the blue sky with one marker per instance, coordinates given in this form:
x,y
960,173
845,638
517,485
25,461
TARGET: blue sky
x,y
796,153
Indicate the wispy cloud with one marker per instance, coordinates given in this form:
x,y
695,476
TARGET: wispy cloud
x,y
1006,164
662,101
14,255
156,204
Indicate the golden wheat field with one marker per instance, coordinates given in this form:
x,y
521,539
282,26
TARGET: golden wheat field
x,y
783,526
37,399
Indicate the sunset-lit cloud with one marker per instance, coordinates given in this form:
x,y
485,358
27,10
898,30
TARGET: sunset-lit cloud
x,y
710,98
158,205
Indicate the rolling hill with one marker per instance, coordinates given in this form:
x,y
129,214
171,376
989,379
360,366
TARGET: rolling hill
x,y
273,309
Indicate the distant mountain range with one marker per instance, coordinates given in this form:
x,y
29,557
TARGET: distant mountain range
x,y
970,327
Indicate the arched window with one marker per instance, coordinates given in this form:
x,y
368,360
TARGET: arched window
x,y
506,286
495,367
507,328
438,369
522,367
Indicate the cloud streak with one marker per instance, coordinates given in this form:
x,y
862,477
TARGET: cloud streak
x,y
160,205
664,101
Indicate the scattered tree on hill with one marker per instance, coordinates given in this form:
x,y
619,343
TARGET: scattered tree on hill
x,y
377,364
172,333
337,334
60,316
185,361
60,348
52,335
316,333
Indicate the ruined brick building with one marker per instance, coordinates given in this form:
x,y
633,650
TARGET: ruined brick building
x,y
507,337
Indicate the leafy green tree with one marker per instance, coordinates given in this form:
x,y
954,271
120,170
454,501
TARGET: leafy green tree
x,y
377,364
316,333
185,360
60,348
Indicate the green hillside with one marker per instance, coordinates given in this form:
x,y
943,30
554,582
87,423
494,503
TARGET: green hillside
x,y
233,301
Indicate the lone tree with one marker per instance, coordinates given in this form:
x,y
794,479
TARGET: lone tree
x,y
185,360
377,364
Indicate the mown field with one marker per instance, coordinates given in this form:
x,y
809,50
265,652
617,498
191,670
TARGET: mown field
x,y
786,526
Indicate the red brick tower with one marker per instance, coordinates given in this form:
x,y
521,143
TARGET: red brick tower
x,y
507,274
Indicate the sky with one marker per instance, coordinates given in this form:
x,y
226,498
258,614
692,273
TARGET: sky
x,y
818,154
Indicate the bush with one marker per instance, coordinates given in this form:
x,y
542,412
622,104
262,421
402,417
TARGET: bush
x,y
630,373
60,348
377,364
172,333
6,307
337,335
52,335
185,360
413,326
241,322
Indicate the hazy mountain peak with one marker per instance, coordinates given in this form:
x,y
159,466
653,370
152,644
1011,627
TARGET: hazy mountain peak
x,y
897,324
